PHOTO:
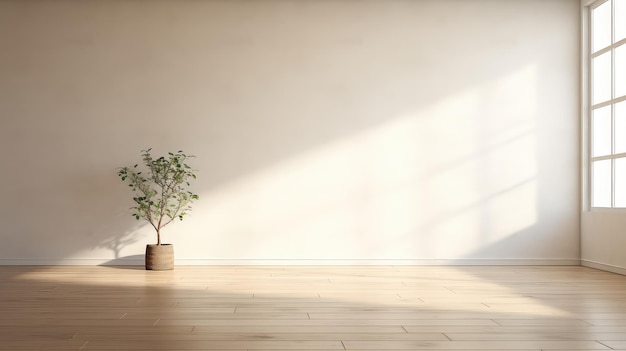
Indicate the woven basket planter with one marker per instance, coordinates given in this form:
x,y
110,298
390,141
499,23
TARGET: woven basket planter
x,y
160,257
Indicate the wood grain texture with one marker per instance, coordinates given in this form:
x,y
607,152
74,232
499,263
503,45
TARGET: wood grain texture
x,y
311,308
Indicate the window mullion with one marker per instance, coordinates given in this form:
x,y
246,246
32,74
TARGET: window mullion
x,y
613,171
612,189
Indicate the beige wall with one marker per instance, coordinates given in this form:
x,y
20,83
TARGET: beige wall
x,y
603,240
426,131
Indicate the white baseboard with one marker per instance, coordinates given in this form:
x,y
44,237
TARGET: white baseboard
x,y
297,262
604,267
385,262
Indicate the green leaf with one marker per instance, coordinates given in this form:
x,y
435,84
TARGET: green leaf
x,y
162,189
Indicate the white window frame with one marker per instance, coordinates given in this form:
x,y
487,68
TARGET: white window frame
x,y
587,108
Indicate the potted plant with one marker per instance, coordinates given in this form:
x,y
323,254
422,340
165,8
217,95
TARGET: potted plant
x,y
162,196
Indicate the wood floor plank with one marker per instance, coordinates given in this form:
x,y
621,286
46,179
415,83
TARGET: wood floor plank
x,y
235,335
43,321
213,344
544,322
300,329
615,345
326,322
41,344
589,336
468,329
474,345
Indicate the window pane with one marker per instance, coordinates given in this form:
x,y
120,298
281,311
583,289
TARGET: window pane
x,y
620,17
620,70
601,127
620,127
601,30
601,187
601,78
620,182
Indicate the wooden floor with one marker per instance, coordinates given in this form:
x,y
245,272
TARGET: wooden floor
x,y
312,308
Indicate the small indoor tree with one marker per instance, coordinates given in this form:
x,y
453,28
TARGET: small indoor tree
x,y
161,190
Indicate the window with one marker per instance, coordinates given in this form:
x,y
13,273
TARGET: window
x,y
607,115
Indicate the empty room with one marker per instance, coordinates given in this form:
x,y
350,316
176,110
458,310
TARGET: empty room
x,y
313,175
